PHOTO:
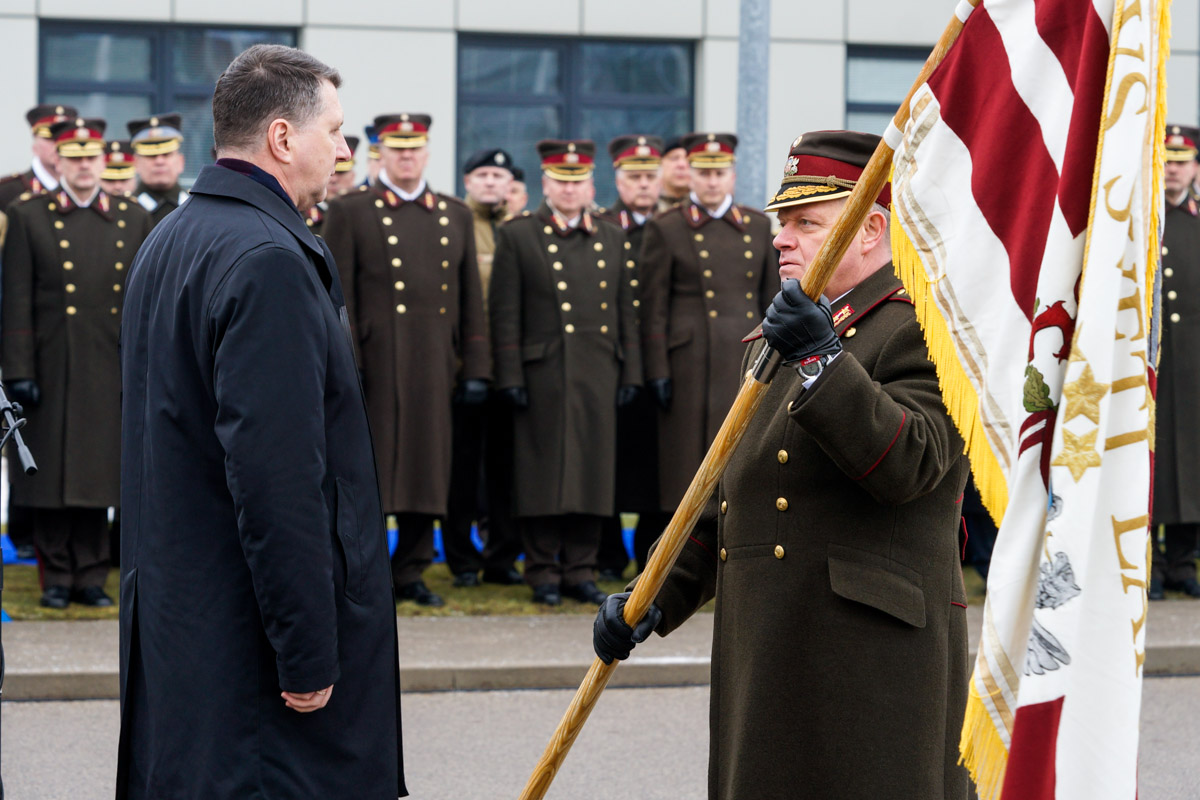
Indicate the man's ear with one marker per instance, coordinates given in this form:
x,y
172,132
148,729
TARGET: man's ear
x,y
874,230
279,141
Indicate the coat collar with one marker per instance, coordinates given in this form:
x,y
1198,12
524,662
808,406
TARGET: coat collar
x,y
586,224
64,205
698,217
426,200
623,216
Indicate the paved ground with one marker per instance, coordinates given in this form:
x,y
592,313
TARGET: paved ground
x,y
649,744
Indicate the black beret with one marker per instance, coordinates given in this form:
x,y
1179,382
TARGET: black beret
x,y
494,157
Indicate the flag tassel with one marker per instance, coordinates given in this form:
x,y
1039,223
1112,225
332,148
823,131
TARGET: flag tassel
x,y
981,749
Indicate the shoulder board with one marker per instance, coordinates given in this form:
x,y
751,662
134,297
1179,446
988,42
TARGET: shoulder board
x,y
16,176
506,222
752,211
449,198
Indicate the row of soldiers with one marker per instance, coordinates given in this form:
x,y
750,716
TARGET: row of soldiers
x,y
535,371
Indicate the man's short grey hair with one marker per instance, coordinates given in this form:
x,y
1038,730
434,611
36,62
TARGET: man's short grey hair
x,y
264,83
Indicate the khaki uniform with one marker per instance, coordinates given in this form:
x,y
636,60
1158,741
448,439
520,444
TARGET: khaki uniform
x,y
839,661
705,282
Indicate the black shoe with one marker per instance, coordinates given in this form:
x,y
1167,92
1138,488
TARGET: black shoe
x,y
58,597
466,580
1156,590
92,596
608,575
419,593
586,592
26,552
505,577
1190,587
547,594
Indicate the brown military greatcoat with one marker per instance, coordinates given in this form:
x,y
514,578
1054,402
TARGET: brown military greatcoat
x,y
839,661
705,282
64,276
416,308
19,186
1177,428
564,326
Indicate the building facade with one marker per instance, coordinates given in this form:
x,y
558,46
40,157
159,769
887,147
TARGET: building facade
x,y
494,73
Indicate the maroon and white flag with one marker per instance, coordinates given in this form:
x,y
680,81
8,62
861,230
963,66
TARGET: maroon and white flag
x,y
1026,217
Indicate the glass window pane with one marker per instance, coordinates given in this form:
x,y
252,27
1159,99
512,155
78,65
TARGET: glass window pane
x,y
197,135
654,69
199,55
604,124
115,109
880,80
496,69
101,57
516,129
875,122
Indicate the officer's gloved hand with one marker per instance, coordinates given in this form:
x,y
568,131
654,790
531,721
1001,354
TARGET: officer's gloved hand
x,y
662,392
26,392
515,396
611,635
471,392
627,394
797,328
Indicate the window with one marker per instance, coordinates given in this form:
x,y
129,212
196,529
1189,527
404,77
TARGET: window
x,y
124,72
513,92
877,81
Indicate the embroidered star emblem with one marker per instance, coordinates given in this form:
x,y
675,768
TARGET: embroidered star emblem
x,y
1083,396
1078,453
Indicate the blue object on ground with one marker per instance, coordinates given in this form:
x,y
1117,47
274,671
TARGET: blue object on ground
x,y
10,552
4,617
627,538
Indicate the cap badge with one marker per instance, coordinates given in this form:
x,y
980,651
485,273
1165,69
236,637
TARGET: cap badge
x,y
406,126
155,133
712,147
500,158
793,166
572,158
643,150
1175,138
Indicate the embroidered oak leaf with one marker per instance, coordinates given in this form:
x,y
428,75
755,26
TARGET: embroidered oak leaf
x,y
1037,393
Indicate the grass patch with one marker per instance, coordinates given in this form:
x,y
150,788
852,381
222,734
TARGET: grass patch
x,y
22,593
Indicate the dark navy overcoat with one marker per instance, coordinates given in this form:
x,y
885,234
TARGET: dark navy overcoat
x,y
253,551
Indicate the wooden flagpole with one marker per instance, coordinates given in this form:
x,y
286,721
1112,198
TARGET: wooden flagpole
x,y
749,398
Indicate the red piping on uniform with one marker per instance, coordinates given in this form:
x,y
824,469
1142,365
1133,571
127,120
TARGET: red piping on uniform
x,y
960,605
856,317
904,416
702,544
966,537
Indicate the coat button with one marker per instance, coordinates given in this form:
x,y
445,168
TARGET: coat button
x,y
557,265
120,244
1171,295
746,238
553,248
604,284
601,263
604,329
122,206
566,306
604,306
1175,318
750,275
628,246
118,266
630,264
704,254
779,551
547,230
71,310
1164,252
699,237
1168,272
782,455
569,328
724,506
749,315
708,273
58,224
724,554
598,247
393,240
445,265
116,287
712,313
749,295
562,286
789,406
849,334
444,221
396,262
113,310
64,244
401,309
781,504
445,241
387,220
120,223
379,204
441,310
70,288
445,287
400,285
749,254
710,293
68,265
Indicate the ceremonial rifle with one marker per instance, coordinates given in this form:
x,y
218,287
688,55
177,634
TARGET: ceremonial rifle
x,y
749,398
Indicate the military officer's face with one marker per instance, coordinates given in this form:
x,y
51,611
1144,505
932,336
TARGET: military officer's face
x,y
372,169
46,153
1179,175
568,197
82,174
639,188
488,185
340,183
404,164
159,172
804,228
518,197
118,188
676,174
712,186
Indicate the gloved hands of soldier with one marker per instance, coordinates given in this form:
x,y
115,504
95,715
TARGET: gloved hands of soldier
x,y
662,392
627,394
797,328
611,635
26,392
471,392
516,396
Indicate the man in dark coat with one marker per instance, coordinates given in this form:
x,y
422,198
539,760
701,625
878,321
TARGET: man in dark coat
x,y
1177,426
564,329
407,258
254,557
839,663
159,162
65,262
708,273
42,175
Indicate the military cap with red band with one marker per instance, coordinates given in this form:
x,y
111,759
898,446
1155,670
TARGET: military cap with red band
x,y
825,165
348,164
41,117
635,152
711,150
118,161
567,160
1182,142
79,138
400,131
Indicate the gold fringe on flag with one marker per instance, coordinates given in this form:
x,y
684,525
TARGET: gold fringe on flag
x,y
959,395
1157,160
981,749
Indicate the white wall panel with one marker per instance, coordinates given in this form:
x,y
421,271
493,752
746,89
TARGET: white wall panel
x,y
137,10
825,20
18,42
721,17
1183,89
1185,26
382,13
669,19
901,22
716,85
519,16
275,13
18,8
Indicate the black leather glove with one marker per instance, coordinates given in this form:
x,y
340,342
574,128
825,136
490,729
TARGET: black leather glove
x,y
26,392
471,392
797,328
626,395
611,635
662,392
515,396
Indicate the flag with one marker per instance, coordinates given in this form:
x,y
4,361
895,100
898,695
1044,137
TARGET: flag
x,y
1026,218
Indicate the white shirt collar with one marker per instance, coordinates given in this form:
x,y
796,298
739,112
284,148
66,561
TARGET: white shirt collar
x,y
383,177
726,204
573,222
640,219
43,175
76,200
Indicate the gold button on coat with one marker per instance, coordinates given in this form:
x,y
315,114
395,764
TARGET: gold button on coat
x,y
71,310
393,240
120,223
712,313
400,309
746,238
118,266
724,554
58,223
604,329
1171,295
779,551
444,221
445,241
1168,272
699,237
64,244
603,284
708,273
749,254
547,229
566,306
400,285
552,248
782,455
557,265
704,254
569,328
710,293
562,286
849,334
781,504
724,506
396,262
1175,318
70,288
68,265
387,220
598,247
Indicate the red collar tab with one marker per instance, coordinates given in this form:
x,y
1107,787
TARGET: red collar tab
x,y
64,202
36,186
736,218
695,217
428,200
842,314
315,215
626,220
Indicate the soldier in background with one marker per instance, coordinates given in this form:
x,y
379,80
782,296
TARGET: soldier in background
x,y
1176,477
566,351
518,194
42,175
407,261
709,271
340,182
159,163
372,156
676,174
483,434
65,262
119,177
637,162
